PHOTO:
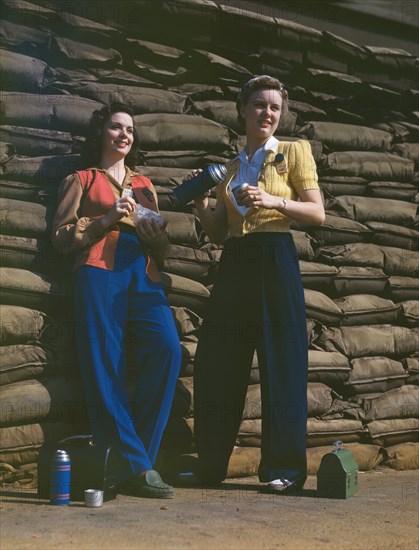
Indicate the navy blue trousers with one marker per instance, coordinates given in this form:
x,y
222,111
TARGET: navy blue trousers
x,y
257,303
111,308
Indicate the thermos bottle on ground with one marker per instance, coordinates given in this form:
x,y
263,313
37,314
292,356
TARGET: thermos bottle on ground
x,y
60,478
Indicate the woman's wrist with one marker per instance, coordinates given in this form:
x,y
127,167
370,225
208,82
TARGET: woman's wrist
x,y
283,205
104,222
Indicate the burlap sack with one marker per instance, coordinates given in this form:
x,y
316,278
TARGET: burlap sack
x,y
20,444
343,185
56,399
394,261
24,361
223,112
186,321
366,309
20,287
393,235
337,230
27,191
303,243
161,74
141,99
353,254
374,374
306,111
347,137
393,431
21,325
403,288
199,92
37,255
400,262
317,276
370,340
189,262
183,228
7,151
244,462
188,358
395,190
250,433
398,403
186,159
369,165
37,141
183,292
367,457
25,219
166,177
407,150
213,67
45,171
330,368
321,308
331,82
409,313
366,209
325,432
25,73
411,364
344,409
319,398
32,40
182,132
58,112
70,53
404,456
360,280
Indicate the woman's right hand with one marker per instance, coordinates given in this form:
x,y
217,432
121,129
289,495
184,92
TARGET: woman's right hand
x,y
121,207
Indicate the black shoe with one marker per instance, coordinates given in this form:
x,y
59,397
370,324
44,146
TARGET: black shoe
x,y
151,485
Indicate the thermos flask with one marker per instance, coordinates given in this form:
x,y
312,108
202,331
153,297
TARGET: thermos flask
x,y
204,181
60,478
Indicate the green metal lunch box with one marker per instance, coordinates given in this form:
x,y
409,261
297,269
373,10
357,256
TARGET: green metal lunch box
x,y
337,476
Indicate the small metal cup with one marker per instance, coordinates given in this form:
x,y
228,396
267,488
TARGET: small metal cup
x,y
93,498
236,190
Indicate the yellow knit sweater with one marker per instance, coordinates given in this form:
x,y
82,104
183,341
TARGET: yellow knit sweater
x,y
300,175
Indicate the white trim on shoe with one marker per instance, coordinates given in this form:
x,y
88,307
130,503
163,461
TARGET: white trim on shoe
x,y
280,485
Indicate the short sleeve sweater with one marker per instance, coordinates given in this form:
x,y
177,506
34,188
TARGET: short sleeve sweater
x,y
297,174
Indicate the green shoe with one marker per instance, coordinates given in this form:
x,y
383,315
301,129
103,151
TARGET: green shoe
x,y
151,485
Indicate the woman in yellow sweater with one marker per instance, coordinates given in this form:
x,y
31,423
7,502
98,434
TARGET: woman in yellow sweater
x,y
257,302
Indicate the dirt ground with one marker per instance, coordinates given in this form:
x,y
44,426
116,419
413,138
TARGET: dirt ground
x,y
382,515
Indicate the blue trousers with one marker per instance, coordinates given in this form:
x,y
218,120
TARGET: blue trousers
x,y
111,308
257,303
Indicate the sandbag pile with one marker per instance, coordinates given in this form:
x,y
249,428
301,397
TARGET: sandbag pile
x,y
180,71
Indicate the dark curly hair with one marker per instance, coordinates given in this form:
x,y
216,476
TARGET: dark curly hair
x,y
92,147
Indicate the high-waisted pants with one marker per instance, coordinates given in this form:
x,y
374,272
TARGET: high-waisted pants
x,y
111,308
257,303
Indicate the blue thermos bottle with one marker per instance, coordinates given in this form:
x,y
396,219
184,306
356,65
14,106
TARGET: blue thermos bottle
x,y
60,478
204,181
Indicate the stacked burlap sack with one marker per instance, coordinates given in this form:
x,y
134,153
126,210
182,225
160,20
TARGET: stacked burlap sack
x,y
180,74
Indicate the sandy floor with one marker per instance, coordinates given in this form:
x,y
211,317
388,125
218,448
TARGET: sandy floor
x,y
382,515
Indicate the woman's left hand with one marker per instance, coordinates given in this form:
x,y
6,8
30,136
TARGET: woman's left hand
x,y
151,232
251,196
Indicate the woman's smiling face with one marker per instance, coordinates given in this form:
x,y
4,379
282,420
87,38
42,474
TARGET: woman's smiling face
x,y
118,135
262,113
